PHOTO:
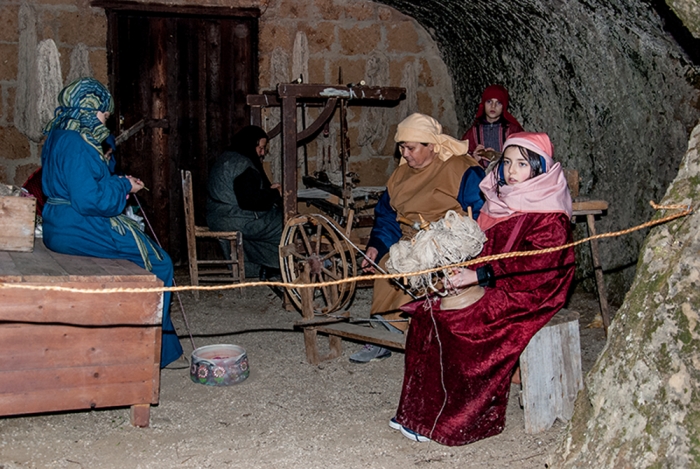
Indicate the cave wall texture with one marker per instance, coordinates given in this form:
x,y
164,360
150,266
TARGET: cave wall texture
x,y
641,406
688,11
616,92
614,82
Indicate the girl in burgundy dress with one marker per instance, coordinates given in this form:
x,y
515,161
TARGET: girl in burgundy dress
x,y
459,362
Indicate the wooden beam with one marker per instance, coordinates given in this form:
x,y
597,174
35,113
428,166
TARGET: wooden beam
x,y
159,141
320,121
130,5
598,270
263,100
359,93
365,334
289,158
589,206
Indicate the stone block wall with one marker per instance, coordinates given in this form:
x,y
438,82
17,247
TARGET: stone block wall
x,y
328,41
79,35
367,40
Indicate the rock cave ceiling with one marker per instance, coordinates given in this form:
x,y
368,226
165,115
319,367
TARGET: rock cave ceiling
x,y
614,82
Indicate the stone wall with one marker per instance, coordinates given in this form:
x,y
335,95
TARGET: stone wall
x,y
641,405
605,78
367,40
78,34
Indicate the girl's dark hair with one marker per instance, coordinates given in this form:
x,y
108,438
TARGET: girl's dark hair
x,y
535,160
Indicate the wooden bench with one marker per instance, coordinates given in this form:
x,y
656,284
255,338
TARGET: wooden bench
x,y
550,368
69,351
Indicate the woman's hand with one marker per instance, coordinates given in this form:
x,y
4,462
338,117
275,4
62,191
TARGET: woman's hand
x,y
136,184
372,254
278,187
462,278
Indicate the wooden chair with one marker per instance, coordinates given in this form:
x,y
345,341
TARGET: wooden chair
x,y
590,209
218,270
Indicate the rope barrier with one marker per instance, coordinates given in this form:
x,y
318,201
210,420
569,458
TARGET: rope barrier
x,y
685,211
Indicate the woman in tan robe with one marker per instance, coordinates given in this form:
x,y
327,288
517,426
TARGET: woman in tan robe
x,y
435,175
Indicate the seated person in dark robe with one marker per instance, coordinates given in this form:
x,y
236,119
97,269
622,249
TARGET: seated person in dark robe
x,y
459,361
241,198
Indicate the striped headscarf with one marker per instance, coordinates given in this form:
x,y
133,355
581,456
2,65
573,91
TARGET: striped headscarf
x,y
77,110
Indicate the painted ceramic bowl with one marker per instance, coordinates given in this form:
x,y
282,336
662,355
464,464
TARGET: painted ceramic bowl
x,y
219,365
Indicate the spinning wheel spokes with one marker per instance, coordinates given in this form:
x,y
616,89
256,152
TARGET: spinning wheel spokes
x,y
309,242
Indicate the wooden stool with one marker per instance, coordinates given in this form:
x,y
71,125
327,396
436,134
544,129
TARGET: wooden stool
x,y
551,372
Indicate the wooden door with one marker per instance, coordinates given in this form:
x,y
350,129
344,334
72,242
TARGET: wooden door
x,y
186,72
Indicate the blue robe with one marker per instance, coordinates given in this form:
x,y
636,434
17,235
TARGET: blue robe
x,y
77,221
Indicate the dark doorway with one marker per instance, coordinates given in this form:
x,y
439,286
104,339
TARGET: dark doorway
x,y
184,71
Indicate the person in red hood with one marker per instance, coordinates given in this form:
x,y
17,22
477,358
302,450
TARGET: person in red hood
x,y
492,125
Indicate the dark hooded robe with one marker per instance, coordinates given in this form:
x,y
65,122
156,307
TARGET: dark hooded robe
x,y
240,198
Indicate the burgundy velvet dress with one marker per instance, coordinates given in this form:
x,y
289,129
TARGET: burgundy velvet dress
x,y
479,346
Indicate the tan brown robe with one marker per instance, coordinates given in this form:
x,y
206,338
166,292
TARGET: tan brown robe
x,y
429,192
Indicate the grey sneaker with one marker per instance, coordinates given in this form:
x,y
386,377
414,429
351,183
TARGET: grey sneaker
x,y
370,353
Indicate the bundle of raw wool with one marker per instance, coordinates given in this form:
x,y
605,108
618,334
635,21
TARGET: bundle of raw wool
x,y
450,240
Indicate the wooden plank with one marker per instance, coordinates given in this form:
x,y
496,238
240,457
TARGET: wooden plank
x,y
384,94
9,272
88,397
81,267
95,266
38,264
589,205
17,215
318,320
43,306
365,334
551,372
136,6
54,379
36,347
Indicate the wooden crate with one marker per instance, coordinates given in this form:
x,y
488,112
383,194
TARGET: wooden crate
x,y
70,351
17,218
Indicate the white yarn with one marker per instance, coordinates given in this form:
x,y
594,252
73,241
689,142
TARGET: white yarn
x,y
49,72
79,63
450,240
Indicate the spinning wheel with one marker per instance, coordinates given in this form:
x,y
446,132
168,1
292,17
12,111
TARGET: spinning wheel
x,y
310,244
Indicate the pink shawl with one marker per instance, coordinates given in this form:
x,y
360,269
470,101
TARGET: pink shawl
x,y
545,193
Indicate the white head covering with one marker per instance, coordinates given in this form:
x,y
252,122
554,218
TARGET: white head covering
x,y
424,129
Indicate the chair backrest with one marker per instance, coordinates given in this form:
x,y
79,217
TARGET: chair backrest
x,y
572,180
188,203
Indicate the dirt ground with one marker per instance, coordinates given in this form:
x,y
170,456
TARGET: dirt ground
x,y
287,414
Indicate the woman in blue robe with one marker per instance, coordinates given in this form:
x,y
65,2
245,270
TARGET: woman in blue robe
x,y
83,213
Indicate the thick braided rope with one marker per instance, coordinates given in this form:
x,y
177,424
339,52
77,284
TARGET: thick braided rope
x,y
685,210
